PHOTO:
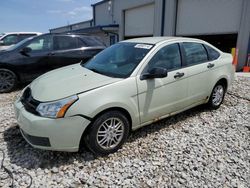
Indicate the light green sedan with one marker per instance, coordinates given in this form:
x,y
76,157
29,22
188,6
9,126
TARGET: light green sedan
x,y
128,85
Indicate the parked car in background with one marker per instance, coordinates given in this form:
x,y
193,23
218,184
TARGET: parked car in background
x,y
9,39
126,86
35,56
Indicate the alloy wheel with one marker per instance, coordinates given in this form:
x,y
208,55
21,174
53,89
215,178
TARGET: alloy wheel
x,y
110,133
217,95
7,80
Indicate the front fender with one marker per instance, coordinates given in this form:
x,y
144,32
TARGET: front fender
x,y
122,94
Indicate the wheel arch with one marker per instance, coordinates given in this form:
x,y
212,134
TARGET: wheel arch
x,y
224,81
120,109
11,68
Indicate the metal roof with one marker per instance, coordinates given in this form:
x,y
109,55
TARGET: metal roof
x,y
97,28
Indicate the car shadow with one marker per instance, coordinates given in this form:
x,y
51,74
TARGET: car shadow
x,y
169,122
25,156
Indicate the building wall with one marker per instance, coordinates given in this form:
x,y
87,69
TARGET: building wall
x,y
116,14
244,35
60,29
103,13
134,26
81,25
196,17
71,27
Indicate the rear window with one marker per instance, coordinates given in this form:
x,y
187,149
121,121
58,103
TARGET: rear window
x,y
195,53
212,53
92,41
65,42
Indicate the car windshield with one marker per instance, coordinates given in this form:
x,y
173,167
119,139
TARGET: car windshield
x,y
118,60
18,44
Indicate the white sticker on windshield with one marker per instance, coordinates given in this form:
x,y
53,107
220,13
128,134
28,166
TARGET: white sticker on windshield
x,y
144,46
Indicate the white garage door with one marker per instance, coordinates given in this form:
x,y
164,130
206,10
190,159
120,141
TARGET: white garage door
x,y
139,21
201,17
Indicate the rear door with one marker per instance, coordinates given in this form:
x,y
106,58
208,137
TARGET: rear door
x,y
197,65
162,96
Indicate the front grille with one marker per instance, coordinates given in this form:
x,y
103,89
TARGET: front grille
x,y
29,103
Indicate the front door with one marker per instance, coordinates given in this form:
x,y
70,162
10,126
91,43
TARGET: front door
x,y
35,62
161,96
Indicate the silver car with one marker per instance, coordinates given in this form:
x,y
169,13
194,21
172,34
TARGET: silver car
x,y
9,39
128,85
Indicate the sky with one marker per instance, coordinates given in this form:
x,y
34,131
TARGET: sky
x,y
42,15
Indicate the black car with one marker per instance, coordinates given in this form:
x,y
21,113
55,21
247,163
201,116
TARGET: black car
x,y
34,56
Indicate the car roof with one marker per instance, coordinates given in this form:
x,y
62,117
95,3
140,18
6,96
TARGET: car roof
x,y
156,40
8,33
70,34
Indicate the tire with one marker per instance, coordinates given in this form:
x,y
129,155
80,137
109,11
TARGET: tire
x,y
217,96
8,80
107,133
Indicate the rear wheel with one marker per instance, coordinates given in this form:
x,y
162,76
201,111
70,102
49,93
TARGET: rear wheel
x,y
8,80
107,133
217,96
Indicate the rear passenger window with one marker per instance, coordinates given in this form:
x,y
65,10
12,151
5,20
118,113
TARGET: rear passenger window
x,y
168,57
212,53
81,43
65,42
195,53
92,41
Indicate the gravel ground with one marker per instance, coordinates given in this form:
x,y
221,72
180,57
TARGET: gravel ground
x,y
197,148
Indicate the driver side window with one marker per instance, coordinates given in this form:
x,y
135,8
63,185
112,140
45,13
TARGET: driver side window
x,y
43,43
168,57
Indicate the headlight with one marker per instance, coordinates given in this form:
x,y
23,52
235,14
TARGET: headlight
x,y
56,109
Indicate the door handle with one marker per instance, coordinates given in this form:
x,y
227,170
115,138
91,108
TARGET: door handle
x,y
210,65
179,75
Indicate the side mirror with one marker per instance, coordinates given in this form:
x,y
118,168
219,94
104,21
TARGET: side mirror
x,y
156,72
25,51
1,43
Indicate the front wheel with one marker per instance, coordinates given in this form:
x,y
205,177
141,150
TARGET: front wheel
x,y
217,96
107,133
8,80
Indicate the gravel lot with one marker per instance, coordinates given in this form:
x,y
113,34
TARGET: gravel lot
x,y
197,148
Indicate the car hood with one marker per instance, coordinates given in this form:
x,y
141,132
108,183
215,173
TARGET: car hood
x,y
67,81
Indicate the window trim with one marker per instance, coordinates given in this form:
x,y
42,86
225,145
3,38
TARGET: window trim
x,y
169,70
185,56
76,42
208,55
38,38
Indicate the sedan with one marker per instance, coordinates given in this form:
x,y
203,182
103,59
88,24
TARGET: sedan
x,y
128,85
34,56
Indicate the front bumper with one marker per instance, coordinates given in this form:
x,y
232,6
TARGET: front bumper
x,y
63,134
